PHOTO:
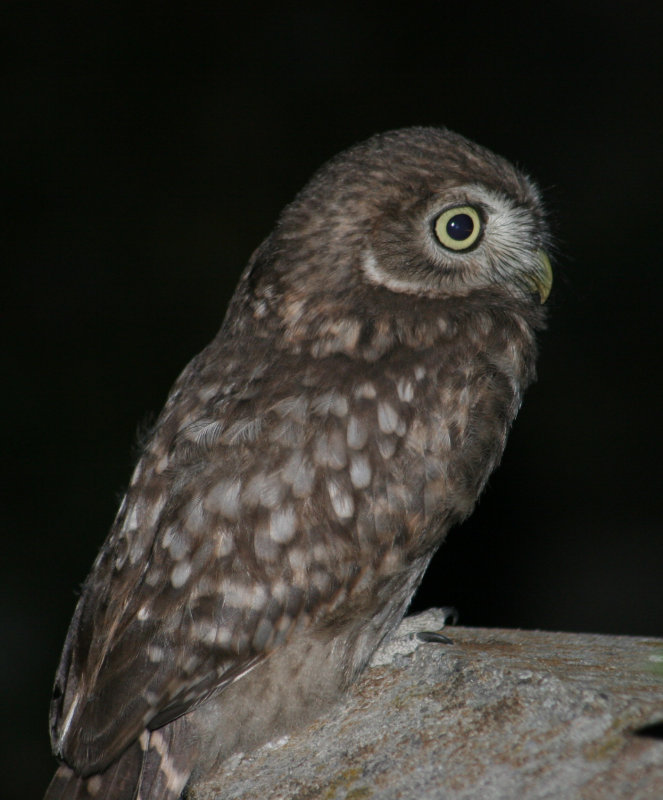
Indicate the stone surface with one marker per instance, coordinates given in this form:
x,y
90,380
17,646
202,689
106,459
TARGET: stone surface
x,y
495,714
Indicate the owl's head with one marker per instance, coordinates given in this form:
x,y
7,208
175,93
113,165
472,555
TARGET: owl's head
x,y
418,211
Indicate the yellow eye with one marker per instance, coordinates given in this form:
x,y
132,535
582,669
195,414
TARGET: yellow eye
x,y
458,228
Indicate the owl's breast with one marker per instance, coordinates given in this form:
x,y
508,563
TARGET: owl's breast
x,y
375,444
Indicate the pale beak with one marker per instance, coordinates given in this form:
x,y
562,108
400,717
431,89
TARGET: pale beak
x,y
542,277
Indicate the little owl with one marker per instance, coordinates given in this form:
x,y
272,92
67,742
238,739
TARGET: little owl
x,y
306,466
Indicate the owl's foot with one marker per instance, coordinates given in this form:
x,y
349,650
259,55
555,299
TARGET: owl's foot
x,y
434,636
450,618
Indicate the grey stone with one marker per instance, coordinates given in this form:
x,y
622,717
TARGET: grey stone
x,y
495,714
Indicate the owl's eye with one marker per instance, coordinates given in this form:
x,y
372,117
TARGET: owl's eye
x,y
458,228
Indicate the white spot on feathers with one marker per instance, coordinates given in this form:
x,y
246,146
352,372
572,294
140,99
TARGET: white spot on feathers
x,y
365,391
341,501
223,498
299,473
155,653
282,524
264,489
405,390
357,433
388,419
175,780
180,574
360,471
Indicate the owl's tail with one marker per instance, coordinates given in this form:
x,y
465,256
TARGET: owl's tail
x,y
148,770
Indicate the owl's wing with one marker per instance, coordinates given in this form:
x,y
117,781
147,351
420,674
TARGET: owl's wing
x,y
194,585
124,669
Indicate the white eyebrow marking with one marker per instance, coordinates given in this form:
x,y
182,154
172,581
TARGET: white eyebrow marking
x,y
376,274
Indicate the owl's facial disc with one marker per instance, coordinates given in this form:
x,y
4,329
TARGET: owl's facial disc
x,y
460,239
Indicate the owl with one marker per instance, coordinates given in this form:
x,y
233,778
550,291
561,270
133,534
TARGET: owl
x,y
306,465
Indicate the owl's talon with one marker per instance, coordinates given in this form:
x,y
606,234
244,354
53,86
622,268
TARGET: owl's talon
x,y
433,636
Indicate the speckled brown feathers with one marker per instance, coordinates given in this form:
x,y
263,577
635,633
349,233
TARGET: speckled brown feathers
x,y
306,465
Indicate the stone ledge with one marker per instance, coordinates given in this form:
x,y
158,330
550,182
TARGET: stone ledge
x,y
496,714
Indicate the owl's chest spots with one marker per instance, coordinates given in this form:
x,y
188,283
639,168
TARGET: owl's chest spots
x,y
301,470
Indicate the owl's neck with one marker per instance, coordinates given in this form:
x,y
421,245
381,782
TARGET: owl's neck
x,y
483,322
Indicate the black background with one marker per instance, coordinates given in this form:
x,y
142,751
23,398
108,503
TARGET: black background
x,y
144,154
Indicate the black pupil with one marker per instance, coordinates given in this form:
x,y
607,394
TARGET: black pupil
x,y
460,227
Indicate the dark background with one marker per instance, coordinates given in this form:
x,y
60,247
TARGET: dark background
x,y
144,154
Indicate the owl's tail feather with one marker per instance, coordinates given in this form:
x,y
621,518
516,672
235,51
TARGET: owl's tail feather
x,y
146,771
118,782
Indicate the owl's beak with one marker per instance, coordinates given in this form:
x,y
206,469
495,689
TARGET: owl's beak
x,y
542,277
